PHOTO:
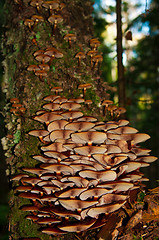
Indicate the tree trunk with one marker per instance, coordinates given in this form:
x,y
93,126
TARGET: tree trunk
x,y
121,79
19,44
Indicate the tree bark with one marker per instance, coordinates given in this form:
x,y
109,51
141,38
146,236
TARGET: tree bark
x,y
120,67
19,44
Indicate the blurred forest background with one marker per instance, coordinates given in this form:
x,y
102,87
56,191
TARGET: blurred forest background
x,y
141,70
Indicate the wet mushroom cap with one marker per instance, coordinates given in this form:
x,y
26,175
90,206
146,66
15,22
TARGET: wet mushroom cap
x,y
53,52
55,19
33,68
70,36
43,58
35,3
50,5
28,22
37,18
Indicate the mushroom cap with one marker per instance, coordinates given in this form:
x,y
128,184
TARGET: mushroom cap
x,y
70,36
52,106
53,52
89,150
39,133
51,98
80,126
50,4
28,22
95,211
102,176
57,89
53,167
61,134
89,137
57,125
80,55
14,100
55,18
75,204
33,68
44,67
94,43
97,58
38,52
85,85
93,192
42,58
35,3
72,114
92,53
70,106
42,73
78,226
48,117
37,18
107,103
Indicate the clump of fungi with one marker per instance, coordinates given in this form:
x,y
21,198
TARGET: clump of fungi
x,y
16,107
86,171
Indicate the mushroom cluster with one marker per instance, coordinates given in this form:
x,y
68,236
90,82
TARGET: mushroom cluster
x,y
86,171
17,108
44,57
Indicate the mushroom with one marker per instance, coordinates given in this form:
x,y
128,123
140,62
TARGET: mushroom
x,y
37,18
72,115
89,137
14,100
70,37
97,59
55,19
92,53
33,68
94,43
53,53
80,55
84,87
78,227
42,58
41,73
37,4
44,67
51,5
57,90
29,23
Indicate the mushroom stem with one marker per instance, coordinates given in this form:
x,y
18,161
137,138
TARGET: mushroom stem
x,y
69,41
84,92
91,63
54,28
79,61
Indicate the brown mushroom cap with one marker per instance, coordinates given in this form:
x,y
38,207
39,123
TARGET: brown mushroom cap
x,y
89,137
44,67
77,227
14,100
41,73
53,52
33,68
80,55
42,58
50,5
70,37
29,22
37,18
57,89
36,3
55,19
38,52
84,86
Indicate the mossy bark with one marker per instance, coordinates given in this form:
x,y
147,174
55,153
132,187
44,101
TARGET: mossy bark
x,y
18,49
